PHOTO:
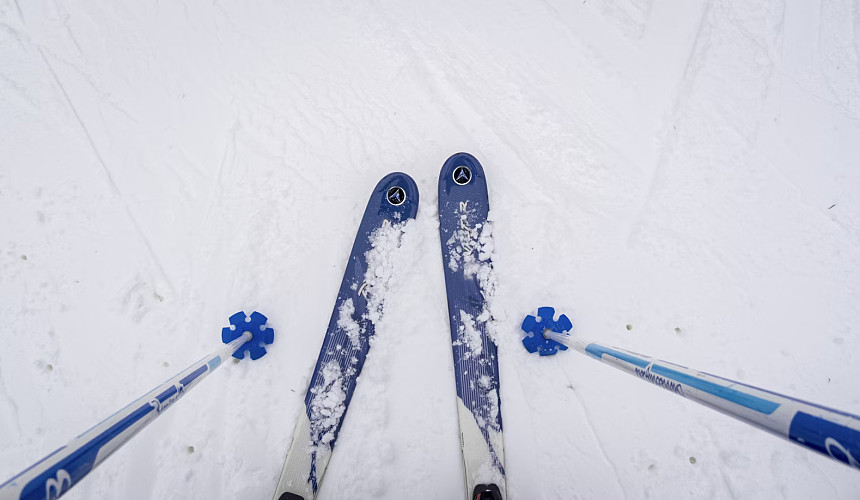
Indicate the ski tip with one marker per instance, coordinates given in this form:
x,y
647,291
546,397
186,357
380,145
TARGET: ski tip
x,y
535,326
261,335
486,492
461,170
396,195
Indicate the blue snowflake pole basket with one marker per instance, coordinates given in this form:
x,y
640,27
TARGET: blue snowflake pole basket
x,y
831,432
55,474
536,326
255,324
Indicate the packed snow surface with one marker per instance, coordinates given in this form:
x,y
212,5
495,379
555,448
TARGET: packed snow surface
x,y
679,178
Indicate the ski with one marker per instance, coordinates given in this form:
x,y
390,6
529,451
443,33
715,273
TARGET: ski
x,y
467,247
358,307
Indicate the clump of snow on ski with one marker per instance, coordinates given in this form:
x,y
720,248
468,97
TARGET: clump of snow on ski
x,y
381,268
367,283
346,322
327,408
469,335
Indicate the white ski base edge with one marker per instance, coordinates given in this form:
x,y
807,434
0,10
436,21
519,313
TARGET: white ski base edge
x,y
297,466
477,459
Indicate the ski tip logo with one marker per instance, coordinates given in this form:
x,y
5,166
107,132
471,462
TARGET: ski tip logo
x,y
396,196
462,175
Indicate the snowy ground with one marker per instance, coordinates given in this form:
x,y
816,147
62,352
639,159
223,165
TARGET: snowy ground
x,y
680,177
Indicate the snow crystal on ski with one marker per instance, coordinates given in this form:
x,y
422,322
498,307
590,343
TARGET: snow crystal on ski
x,y
328,406
347,323
469,335
381,259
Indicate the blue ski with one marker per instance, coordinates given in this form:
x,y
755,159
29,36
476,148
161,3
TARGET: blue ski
x,y
347,340
467,247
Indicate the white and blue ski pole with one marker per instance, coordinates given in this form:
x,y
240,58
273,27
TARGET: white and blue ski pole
x,y
54,475
833,433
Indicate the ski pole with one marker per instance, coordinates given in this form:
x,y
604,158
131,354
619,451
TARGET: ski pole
x,y
54,475
830,432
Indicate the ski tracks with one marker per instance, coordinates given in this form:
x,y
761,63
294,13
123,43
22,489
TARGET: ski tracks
x,y
462,84
595,435
108,175
682,90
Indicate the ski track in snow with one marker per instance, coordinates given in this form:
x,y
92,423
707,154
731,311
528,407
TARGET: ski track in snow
x,y
685,169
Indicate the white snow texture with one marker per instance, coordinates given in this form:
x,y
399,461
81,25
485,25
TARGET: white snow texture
x,y
680,178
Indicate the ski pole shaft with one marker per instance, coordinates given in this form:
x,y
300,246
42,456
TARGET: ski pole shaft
x,y
831,432
58,472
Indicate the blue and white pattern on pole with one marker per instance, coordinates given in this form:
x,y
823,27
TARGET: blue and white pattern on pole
x,y
55,474
828,431
256,325
534,327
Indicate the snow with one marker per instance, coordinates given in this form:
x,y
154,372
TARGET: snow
x,y
685,168
327,409
382,258
347,323
469,335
